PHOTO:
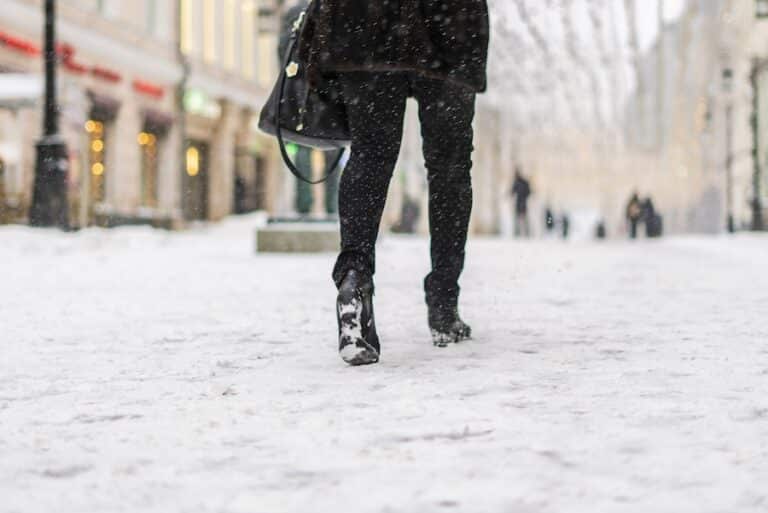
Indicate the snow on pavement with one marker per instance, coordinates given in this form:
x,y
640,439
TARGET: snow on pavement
x,y
146,371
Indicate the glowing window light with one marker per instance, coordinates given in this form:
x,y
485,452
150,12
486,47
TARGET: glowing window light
x,y
193,161
90,126
97,169
143,138
97,145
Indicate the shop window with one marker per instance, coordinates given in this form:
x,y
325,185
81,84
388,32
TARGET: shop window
x,y
230,34
210,51
148,142
195,181
151,16
761,8
248,31
97,160
151,141
108,8
187,26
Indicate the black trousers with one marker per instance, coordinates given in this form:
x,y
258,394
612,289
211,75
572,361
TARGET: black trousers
x,y
376,107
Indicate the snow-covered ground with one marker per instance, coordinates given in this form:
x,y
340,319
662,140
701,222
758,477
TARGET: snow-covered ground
x,y
145,371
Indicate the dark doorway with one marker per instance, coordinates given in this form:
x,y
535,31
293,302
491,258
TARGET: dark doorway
x,y
260,185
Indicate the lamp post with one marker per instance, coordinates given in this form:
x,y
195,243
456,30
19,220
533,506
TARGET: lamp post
x,y
49,200
757,204
728,89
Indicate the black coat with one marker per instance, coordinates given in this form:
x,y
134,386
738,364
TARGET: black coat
x,y
444,39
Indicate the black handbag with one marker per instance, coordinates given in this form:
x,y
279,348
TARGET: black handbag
x,y
306,115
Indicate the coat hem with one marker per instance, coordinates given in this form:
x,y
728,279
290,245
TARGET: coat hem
x,y
384,68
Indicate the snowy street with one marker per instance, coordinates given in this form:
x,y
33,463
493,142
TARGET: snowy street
x,y
148,371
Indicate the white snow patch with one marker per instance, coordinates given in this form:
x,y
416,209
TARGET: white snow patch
x,y
352,329
610,377
350,352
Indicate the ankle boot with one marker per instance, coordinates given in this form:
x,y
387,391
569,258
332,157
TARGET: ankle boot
x,y
446,324
358,340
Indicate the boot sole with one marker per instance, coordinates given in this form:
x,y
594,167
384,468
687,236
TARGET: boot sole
x,y
446,339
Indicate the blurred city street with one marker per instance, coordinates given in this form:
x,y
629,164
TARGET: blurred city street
x,y
178,371
168,328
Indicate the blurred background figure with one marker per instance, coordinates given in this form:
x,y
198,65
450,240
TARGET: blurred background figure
x,y
409,217
521,192
634,213
549,221
600,231
654,224
565,225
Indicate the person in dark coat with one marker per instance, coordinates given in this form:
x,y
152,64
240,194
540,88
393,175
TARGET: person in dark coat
x,y
381,53
653,221
436,39
521,191
565,226
634,213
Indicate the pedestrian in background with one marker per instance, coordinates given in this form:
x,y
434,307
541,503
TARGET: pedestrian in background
x,y
521,192
549,220
634,214
382,53
565,226
651,218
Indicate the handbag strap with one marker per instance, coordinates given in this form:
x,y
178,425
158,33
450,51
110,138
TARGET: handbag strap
x,y
279,129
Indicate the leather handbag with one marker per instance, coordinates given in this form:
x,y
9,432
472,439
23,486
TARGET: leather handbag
x,y
308,115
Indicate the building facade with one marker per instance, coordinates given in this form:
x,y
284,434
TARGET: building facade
x,y
158,106
741,110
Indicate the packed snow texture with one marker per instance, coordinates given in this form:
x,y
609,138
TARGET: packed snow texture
x,y
146,371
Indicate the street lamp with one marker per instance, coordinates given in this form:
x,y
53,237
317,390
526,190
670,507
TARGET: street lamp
x,y
727,90
49,200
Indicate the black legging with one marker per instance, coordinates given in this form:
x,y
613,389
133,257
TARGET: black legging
x,y
376,107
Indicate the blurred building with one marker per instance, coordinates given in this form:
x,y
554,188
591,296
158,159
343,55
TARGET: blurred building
x,y
670,134
693,135
158,106
230,48
705,144
740,109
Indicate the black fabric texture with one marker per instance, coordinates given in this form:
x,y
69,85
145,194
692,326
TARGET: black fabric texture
x,y
376,107
445,39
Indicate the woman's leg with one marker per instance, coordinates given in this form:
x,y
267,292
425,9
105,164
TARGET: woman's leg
x,y
446,112
375,106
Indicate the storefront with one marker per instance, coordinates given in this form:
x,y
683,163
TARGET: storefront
x,y
153,141
101,140
19,94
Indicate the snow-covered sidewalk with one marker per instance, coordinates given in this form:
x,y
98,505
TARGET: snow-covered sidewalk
x,y
145,371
